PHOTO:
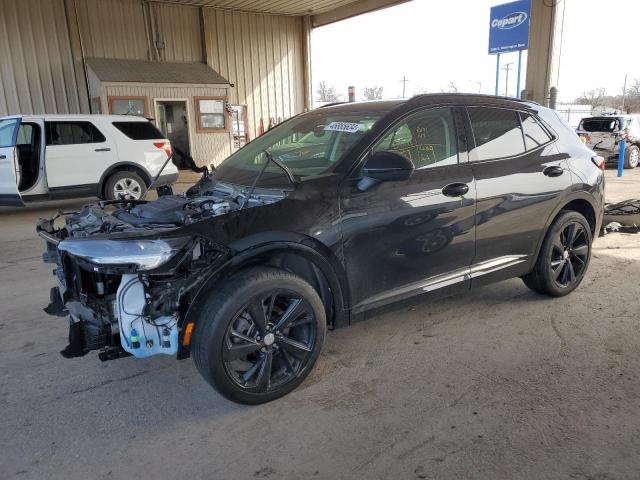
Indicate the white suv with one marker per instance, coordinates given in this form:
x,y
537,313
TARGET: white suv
x,y
67,156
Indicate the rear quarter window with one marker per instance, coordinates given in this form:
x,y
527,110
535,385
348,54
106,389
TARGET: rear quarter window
x,y
139,130
534,134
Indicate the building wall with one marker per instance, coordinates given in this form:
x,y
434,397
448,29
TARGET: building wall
x,y
206,148
37,72
178,30
112,28
262,55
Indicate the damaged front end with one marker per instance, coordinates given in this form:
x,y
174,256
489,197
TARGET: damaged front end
x,y
128,272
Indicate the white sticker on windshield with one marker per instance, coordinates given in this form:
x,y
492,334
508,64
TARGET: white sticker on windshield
x,y
343,127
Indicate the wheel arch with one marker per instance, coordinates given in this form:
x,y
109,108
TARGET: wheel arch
x,y
119,167
579,202
314,264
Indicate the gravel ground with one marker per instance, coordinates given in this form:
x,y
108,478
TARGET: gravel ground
x,y
500,383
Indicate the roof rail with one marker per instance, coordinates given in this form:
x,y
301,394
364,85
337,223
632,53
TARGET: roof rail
x,y
332,104
480,95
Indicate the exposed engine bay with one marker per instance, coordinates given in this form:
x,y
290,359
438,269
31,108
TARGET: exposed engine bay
x,y
206,199
128,294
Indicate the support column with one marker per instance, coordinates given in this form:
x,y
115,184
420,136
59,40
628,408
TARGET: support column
x,y
306,61
545,43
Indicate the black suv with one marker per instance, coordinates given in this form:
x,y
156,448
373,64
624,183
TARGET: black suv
x,y
330,214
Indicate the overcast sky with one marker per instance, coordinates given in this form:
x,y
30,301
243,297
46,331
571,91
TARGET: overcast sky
x,y
434,43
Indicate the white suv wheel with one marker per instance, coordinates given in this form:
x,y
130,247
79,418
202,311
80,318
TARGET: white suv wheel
x,y
127,189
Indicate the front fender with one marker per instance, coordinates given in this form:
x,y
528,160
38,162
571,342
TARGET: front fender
x,y
257,247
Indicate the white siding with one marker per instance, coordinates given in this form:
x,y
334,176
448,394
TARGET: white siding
x,y
206,148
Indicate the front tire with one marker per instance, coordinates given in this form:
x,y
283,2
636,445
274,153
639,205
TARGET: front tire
x,y
259,335
631,157
564,256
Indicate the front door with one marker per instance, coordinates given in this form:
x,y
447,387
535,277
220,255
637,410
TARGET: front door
x,y
9,167
77,154
174,124
402,238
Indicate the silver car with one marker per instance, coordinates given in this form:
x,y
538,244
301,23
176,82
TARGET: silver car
x,y
604,134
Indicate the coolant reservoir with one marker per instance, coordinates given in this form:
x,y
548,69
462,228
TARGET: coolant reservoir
x,y
139,336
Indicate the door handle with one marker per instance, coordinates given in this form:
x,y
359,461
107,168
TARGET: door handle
x,y
102,150
3,157
553,171
455,189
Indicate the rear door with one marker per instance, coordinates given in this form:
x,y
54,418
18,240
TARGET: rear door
x,y
9,167
77,154
519,179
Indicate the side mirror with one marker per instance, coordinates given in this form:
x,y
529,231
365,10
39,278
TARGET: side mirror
x,y
385,166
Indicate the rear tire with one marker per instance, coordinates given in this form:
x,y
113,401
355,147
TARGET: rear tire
x,y
564,257
124,184
631,157
259,335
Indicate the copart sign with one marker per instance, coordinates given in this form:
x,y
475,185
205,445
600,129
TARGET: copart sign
x,y
509,27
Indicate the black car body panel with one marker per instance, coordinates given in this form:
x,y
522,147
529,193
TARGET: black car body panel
x,y
444,229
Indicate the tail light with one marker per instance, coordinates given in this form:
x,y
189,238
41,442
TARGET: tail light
x,y
166,146
598,161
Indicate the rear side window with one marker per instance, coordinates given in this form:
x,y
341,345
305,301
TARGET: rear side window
x,y
497,133
534,134
139,130
72,133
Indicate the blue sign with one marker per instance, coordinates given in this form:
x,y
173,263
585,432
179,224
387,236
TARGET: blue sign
x,y
509,27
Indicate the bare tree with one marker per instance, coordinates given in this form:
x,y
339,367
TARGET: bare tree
x,y
594,98
326,93
373,93
453,88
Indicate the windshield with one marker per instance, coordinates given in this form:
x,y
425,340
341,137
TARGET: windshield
x,y
309,144
608,124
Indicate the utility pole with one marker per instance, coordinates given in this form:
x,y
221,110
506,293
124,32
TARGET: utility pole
x,y
479,86
507,68
624,91
404,85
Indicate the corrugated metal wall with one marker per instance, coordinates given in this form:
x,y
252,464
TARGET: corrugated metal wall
x,y
179,29
113,29
206,148
262,56
37,73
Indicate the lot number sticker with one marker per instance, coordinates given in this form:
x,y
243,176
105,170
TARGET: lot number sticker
x,y
343,127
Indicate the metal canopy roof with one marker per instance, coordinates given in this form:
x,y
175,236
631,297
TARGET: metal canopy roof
x,y
143,71
289,7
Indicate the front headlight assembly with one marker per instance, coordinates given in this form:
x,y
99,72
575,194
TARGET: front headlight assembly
x,y
143,254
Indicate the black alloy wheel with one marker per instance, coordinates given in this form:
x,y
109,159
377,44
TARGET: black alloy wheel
x,y
258,334
564,256
569,254
269,341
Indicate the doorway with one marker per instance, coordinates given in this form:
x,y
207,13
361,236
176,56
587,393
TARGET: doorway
x,y
173,122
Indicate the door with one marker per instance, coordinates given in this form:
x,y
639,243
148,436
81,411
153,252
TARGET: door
x,y
519,178
402,238
173,122
9,169
77,154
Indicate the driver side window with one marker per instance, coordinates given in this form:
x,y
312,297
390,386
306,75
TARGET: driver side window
x,y
427,138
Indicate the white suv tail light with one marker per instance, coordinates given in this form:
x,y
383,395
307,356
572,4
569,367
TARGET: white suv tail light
x,y
165,145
